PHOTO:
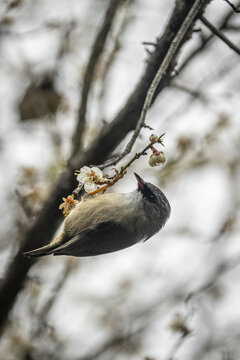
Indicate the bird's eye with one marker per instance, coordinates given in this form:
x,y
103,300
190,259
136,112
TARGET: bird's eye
x,y
152,197
149,194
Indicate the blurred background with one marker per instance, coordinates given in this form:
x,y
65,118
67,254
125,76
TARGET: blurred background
x,y
177,295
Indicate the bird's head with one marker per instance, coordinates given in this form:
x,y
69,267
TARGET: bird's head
x,y
153,196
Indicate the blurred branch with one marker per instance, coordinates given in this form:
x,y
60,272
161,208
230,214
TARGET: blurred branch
x,y
232,27
43,227
229,220
41,322
146,315
163,69
106,64
222,268
97,50
69,267
222,71
180,325
219,34
25,207
193,92
235,8
113,343
206,41
14,4
224,265
176,347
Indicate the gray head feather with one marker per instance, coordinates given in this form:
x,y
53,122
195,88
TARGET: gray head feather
x,y
156,206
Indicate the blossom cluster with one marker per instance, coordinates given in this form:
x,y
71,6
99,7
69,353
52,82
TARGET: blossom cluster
x,y
90,178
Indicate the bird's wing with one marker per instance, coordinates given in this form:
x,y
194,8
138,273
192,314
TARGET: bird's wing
x,y
102,238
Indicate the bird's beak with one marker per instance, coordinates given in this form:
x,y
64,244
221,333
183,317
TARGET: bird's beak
x,y
140,181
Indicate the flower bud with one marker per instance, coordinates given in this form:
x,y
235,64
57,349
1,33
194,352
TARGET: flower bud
x,y
157,158
153,139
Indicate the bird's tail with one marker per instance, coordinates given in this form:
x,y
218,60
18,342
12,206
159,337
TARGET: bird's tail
x,y
47,249
42,251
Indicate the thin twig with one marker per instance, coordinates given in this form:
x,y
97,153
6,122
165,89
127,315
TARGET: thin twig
x,y
176,347
40,325
180,325
106,65
97,50
222,268
137,155
206,41
235,8
233,27
120,174
219,34
69,266
149,43
193,92
158,77
115,342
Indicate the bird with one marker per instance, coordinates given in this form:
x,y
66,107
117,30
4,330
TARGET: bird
x,y
110,222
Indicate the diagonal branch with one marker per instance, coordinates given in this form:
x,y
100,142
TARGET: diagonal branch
x,y
40,326
207,40
235,8
46,222
164,67
219,34
97,50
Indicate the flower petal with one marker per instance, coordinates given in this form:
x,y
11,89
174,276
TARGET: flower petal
x,y
90,186
85,169
82,178
97,171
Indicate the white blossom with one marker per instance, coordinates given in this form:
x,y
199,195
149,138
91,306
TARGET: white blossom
x,y
90,178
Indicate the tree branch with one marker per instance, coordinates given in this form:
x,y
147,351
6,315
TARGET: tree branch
x,y
43,227
207,40
97,50
164,67
40,326
235,8
219,34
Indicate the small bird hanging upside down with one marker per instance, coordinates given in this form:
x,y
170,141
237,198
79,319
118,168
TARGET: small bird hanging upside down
x,y
110,222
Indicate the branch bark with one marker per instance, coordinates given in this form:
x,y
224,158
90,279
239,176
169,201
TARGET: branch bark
x,y
46,222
